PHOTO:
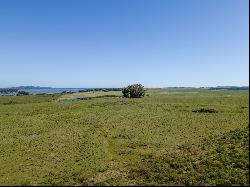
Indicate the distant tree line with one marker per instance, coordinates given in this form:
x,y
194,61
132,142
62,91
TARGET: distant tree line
x,y
229,88
8,90
13,91
93,90
100,89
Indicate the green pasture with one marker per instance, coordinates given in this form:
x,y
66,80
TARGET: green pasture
x,y
155,140
90,94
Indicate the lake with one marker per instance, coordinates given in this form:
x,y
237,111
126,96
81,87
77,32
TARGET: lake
x,y
54,90
49,90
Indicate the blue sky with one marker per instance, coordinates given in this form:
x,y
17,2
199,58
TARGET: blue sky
x,y
112,43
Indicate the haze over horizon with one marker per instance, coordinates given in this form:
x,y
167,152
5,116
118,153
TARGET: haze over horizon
x,y
90,44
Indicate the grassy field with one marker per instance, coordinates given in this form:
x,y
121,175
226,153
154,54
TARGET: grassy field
x,y
155,140
90,94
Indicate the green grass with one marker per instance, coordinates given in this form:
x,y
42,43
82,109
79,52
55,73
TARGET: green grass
x,y
10,100
90,94
118,141
219,160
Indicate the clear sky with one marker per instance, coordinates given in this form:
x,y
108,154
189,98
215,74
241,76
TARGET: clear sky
x,y
112,43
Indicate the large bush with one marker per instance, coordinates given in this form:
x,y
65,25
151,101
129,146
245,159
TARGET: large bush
x,y
133,91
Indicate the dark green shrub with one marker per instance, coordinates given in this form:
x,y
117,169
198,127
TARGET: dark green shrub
x,y
134,91
125,92
203,110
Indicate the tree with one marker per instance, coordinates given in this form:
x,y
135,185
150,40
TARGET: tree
x,y
134,91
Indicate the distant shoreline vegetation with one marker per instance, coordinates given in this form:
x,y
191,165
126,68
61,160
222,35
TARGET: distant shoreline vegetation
x,y
8,90
14,90
229,88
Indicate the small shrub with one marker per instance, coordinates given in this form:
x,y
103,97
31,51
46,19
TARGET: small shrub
x,y
203,110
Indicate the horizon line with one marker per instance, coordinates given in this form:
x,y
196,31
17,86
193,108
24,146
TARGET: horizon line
x,y
123,87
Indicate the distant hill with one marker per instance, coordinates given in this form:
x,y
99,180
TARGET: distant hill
x,y
13,90
179,87
30,87
229,88
213,88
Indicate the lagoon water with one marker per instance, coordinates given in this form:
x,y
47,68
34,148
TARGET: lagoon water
x,y
54,90
49,90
